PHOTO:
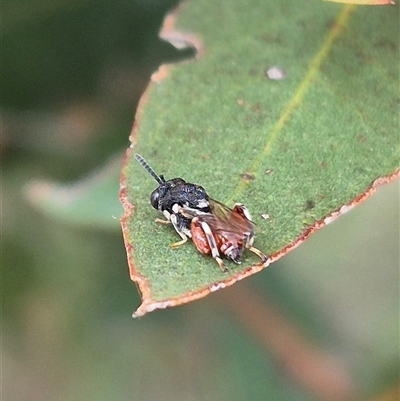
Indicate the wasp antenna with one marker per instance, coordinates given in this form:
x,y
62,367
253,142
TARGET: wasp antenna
x,y
146,165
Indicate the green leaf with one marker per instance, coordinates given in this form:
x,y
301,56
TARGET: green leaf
x,y
310,142
366,2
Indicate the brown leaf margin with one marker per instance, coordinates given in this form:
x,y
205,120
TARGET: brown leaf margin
x,y
149,304
365,2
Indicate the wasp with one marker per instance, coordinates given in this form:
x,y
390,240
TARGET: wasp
x,y
214,228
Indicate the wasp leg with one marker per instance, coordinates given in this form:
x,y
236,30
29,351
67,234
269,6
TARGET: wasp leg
x,y
167,215
182,235
221,264
249,238
161,221
179,243
213,245
260,254
242,210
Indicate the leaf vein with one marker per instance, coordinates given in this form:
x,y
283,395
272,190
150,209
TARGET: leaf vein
x,y
299,94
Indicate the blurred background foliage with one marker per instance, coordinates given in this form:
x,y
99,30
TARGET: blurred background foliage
x,y
320,324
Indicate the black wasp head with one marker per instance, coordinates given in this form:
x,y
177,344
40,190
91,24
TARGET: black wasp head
x,y
162,193
154,197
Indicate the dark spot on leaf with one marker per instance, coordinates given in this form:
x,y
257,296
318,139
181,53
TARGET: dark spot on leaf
x,y
310,204
253,72
386,43
330,24
360,170
271,38
247,176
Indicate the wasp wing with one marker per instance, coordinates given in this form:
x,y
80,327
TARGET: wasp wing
x,y
229,220
223,220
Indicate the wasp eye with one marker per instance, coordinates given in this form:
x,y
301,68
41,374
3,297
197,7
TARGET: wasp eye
x,y
155,195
